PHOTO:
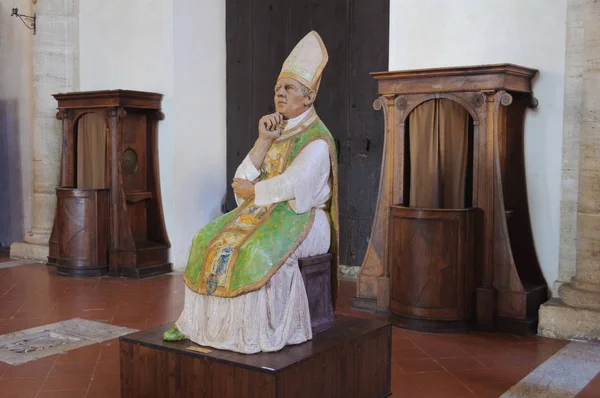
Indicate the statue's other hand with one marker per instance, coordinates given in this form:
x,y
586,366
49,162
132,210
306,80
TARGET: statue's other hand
x,y
269,126
243,188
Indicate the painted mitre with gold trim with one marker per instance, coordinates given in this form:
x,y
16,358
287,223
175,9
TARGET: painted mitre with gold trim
x,y
306,61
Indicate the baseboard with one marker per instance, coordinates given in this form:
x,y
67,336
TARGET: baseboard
x,y
147,271
364,304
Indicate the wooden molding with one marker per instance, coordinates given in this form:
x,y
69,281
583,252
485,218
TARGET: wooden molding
x,y
456,79
136,197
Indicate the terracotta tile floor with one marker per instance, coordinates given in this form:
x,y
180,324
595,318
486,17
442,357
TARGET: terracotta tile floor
x,y
424,365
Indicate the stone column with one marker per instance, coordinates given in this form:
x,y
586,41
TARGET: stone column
x,y
574,60
55,70
576,311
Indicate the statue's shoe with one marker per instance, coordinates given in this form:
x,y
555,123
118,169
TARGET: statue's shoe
x,y
173,334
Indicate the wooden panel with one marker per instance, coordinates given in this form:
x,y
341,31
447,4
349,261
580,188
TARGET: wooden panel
x,y
136,197
431,258
356,231
330,18
136,213
240,119
316,273
515,194
456,79
269,51
108,98
353,369
82,219
369,49
157,231
362,150
333,99
150,253
426,256
134,137
351,360
147,372
67,178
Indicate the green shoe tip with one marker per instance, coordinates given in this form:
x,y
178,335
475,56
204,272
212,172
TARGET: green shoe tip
x,y
173,334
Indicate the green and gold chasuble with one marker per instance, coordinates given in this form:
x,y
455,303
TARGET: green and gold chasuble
x,y
239,251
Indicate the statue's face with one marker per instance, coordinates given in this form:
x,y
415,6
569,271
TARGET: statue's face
x,y
292,98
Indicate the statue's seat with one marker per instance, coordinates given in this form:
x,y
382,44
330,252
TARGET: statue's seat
x,y
316,273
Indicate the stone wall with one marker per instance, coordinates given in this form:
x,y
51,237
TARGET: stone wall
x,y
55,70
15,122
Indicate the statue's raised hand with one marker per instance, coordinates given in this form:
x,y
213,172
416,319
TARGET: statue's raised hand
x,y
269,126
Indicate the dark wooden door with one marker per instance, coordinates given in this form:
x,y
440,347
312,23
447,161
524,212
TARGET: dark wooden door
x,y
260,35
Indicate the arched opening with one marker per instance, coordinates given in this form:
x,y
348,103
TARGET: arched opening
x,y
439,156
90,155
431,232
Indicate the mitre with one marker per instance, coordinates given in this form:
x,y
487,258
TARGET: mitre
x,y
306,61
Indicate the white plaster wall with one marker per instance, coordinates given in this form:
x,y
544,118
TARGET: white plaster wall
x,y
437,33
199,116
177,48
15,122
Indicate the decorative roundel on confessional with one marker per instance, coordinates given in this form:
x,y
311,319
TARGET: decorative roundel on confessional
x,y
129,161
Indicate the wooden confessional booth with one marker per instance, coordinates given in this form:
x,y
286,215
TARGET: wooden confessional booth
x,y
109,217
451,245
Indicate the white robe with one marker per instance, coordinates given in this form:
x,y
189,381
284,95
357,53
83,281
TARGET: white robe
x,y
277,314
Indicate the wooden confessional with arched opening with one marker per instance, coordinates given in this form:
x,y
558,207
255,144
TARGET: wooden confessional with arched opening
x,y
109,215
451,244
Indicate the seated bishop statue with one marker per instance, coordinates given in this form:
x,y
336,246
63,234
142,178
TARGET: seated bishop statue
x,y
244,291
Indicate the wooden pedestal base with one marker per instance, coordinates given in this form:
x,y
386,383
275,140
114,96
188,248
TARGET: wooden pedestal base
x,y
351,359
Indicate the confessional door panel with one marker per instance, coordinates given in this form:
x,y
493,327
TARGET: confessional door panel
x,y
431,267
431,246
91,159
83,218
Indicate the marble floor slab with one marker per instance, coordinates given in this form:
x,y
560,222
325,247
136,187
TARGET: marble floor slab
x,y
563,375
42,341
13,263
